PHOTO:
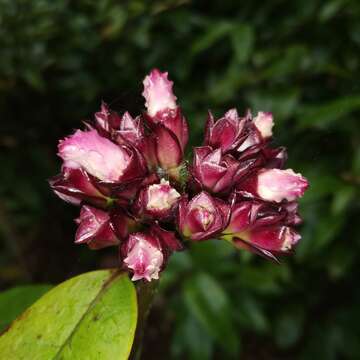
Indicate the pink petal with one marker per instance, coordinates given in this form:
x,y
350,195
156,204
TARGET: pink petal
x,y
97,155
264,123
277,185
143,257
158,92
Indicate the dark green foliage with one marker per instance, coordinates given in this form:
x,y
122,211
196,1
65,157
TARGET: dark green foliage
x,y
298,59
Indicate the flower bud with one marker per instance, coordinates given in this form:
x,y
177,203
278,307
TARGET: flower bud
x,y
275,185
146,253
158,92
268,241
130,130
202,217
95,154
143,255
264,123
214,172
226,133
106,120
75,186
157,201
131,133
162,108
168,149
95,229
248,214
262,227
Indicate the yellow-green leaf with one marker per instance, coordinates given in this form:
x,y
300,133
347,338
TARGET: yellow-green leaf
x,y
91,316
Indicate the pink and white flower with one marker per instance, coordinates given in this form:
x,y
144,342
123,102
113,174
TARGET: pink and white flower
x,y
95,154
137,192
158,93
157,200
275,185
264,123
143,256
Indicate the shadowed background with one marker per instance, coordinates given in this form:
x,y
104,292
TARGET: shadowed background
x,y
299,60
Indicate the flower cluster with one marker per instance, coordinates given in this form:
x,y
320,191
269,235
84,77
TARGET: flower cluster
x,y
138,193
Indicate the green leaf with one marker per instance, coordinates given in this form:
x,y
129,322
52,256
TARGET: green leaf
x,y
243,42
321,227
281,104
211,35
289,326
330,9
14,301
342,198
187,338
250,313
322,116
91,316
209,304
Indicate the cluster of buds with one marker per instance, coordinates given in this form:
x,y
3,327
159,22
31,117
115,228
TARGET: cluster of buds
x,y
137,192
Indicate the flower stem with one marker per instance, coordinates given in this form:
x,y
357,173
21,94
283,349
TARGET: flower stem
x,y
145,295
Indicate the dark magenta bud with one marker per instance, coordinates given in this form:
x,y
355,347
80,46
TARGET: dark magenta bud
x,y
76,186
262,227
214,172
225,133
203,217
99,229
106,120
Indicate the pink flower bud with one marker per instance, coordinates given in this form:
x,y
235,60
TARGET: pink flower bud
x,y
130,130
248,214
162,108
214,172
226,133
146,254
157,200
167,147
202,217
95,154
275,239
148,149
75,186
275,185
142,254
106,120
264,123
158,92
262,227
95,229
161,196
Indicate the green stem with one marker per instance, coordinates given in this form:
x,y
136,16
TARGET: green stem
x,y
145,295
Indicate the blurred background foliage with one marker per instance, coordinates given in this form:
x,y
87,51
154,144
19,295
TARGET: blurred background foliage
x,y
298,59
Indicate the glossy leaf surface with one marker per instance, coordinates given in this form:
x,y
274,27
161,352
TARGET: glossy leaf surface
x,y
91,316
